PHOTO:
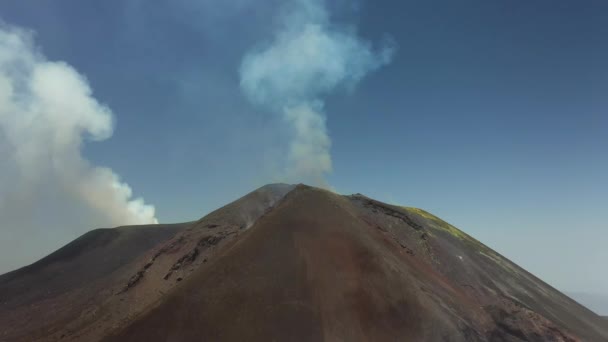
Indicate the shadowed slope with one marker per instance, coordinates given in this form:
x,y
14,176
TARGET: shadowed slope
x,y
517,305
84,260
85,289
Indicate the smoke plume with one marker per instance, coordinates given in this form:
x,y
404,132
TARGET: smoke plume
x,y
49,192
307,59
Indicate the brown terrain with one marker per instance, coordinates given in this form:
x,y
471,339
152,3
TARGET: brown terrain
x,y
288,263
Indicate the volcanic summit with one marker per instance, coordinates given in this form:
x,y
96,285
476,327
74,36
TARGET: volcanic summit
x,y
288,263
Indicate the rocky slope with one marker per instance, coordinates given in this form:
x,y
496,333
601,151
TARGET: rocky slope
x,y
285,263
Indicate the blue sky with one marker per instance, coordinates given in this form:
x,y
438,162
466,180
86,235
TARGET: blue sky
x,y
492,114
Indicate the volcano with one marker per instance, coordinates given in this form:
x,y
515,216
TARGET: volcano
x,y
288,263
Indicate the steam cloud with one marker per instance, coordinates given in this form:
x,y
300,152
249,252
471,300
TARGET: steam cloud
x,y
48,191
307,59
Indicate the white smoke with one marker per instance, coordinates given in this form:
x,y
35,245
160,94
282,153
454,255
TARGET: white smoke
x,y
47,111
307,59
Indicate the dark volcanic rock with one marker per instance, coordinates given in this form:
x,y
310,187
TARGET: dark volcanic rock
x,y
302,264
85,260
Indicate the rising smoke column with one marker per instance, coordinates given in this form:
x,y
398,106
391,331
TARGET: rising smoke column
x,y
307,59
47,111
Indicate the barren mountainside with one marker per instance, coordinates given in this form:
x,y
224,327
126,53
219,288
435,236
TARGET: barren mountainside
x,y
288,263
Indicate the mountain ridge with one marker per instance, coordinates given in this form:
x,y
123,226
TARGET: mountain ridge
x,y
596,302
300,261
